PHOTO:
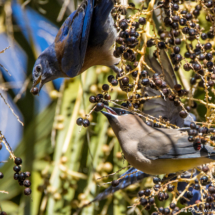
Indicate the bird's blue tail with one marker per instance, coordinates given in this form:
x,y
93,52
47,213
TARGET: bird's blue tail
x,y
131,176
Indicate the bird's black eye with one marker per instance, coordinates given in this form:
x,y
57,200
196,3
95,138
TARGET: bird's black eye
x,y
122,112
38,68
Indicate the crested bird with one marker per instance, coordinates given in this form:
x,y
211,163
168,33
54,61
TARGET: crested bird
x,y
154,107
157,150
85,39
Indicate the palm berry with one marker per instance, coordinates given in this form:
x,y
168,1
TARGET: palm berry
x,y
99,106
107,97
143,201
183,114
156,180
161,45
26,183
114,82
21,176
79,121
105,87
16,168
27,174
207,46
110,78
16,176
18,161
27,191
141,193
115,183
34,91
147,192
142,21
92,99
1,175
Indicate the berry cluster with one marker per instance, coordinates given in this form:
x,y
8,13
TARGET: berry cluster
x,y
161,190
21,177
178,30
180,25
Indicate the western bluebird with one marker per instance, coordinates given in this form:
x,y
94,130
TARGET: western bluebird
x,y
84,40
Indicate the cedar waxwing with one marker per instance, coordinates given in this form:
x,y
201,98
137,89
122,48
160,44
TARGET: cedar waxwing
x,y
150,149
154,107
156,150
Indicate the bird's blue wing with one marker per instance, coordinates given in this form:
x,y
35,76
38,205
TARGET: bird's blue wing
x,y
101,23
72,39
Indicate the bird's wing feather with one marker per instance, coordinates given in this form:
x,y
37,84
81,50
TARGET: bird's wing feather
x,y
169,74
172,144
72,39
100,29
158,106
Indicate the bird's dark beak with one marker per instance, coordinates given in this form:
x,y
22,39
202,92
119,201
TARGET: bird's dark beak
x,y
110,114
37,81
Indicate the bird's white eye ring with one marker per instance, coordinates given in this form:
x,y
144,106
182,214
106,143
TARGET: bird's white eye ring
x,y
38,68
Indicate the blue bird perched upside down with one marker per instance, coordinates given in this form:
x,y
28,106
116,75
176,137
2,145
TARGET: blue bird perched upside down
x,y
84,40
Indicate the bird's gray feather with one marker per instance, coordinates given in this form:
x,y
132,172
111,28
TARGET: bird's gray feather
x,y
159,106
172,144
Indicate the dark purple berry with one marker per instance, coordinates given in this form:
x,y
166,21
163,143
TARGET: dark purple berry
x,y
110,78
156,180
16,176
27,174
27,191
176,50
115,183
92,99
86,123
114,82
125,81
141,193
142,21
105,87
34,91
123,25
182,114
208,46
143,201
177,87
16,168
99,106
79,121
204,36
22,176
182,21
1,175
147,192
161,45
26,183
18,161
